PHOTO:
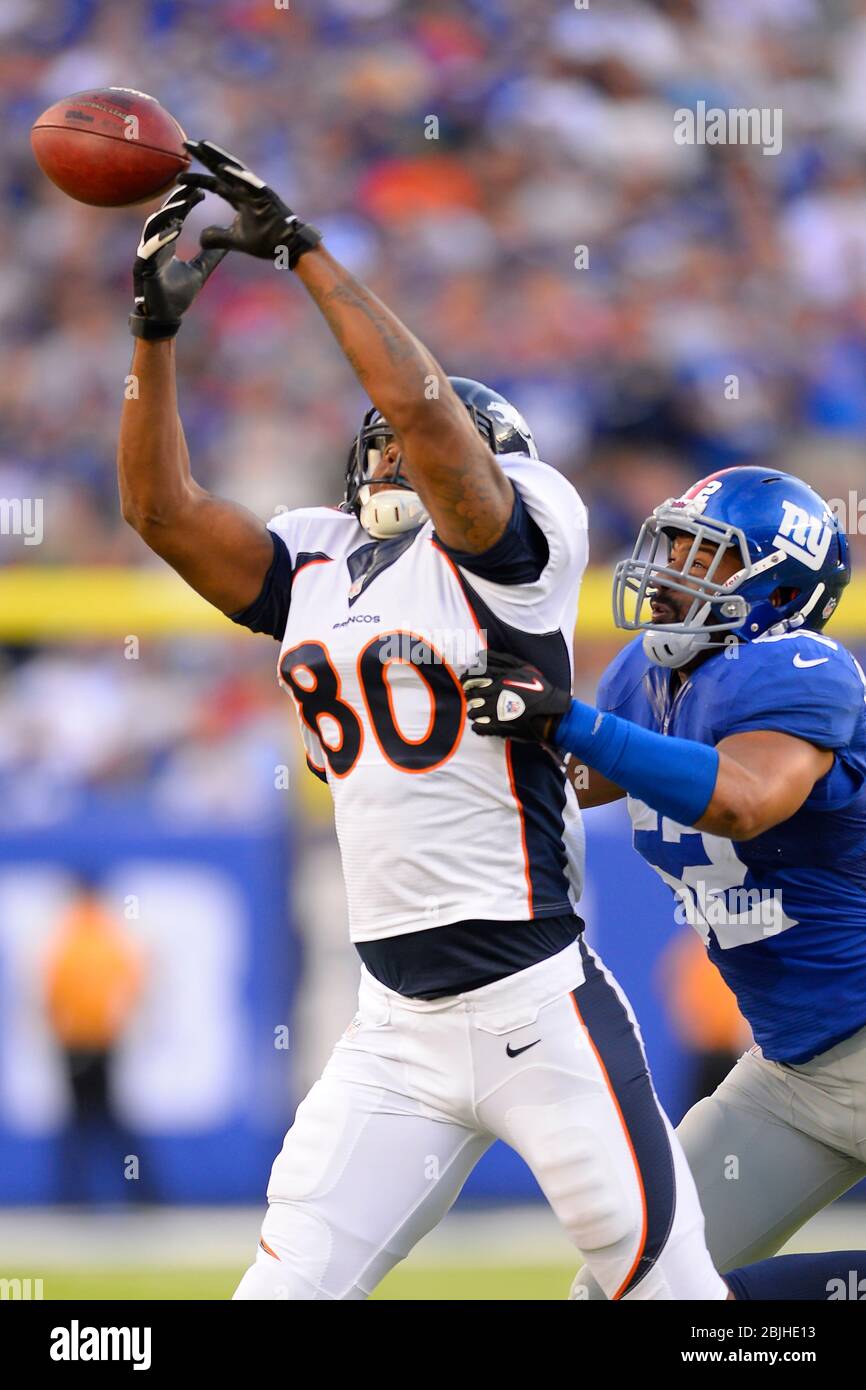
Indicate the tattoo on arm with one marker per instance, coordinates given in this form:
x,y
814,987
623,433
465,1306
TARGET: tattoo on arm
x,y
351,295
473,504
453,470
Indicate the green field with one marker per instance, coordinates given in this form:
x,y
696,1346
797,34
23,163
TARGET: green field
x,y
439,1283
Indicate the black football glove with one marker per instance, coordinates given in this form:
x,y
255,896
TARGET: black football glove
x,y
511,699
165,287
263,225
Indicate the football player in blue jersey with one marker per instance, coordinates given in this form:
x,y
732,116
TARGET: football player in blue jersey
x,y
737,730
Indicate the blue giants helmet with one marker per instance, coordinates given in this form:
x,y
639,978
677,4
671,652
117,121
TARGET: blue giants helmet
x,y
788,541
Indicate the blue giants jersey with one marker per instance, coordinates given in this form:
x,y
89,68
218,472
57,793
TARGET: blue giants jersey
x,y
783,915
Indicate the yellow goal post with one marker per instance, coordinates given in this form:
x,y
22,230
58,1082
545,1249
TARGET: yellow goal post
x,y
57,604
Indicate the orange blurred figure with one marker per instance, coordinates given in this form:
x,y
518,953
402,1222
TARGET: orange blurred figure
x,y
704,1013
93,977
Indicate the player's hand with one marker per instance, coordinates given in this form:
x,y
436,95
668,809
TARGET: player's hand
x,y
263,224
164,287
511,699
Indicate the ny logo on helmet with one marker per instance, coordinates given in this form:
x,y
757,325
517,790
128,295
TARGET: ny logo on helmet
x,y
805,537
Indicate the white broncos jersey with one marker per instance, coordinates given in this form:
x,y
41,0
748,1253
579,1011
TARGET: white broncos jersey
x,y
436,825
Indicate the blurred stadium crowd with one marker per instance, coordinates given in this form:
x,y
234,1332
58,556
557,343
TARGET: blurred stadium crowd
x,y
184,736
553,130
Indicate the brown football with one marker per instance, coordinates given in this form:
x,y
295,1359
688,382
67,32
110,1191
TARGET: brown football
x,y
110,148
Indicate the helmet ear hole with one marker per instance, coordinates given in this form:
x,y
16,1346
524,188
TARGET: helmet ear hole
x,y
784,595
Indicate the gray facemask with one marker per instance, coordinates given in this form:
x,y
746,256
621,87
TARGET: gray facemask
x,y
714,606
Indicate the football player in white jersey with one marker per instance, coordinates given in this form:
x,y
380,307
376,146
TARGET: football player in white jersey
x,y
482,1013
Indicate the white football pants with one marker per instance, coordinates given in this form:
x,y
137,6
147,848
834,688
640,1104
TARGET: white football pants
x,y
549,1060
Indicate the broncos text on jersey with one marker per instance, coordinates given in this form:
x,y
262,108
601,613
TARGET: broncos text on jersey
x,y
435,826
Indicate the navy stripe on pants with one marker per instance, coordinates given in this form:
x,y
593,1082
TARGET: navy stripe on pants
x,y
617,1044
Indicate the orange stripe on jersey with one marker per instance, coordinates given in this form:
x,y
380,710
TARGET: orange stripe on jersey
x,y
313,560
508,763
267,1249
612,1093
447,558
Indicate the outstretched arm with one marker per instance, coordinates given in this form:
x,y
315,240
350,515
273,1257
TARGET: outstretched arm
x,y
741,788
747,784
446,460
219,548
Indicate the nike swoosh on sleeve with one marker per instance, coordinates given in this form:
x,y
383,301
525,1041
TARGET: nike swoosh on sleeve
x,y
818,661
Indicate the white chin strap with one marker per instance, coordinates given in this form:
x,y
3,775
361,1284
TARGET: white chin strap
x,y
390,511
675,649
